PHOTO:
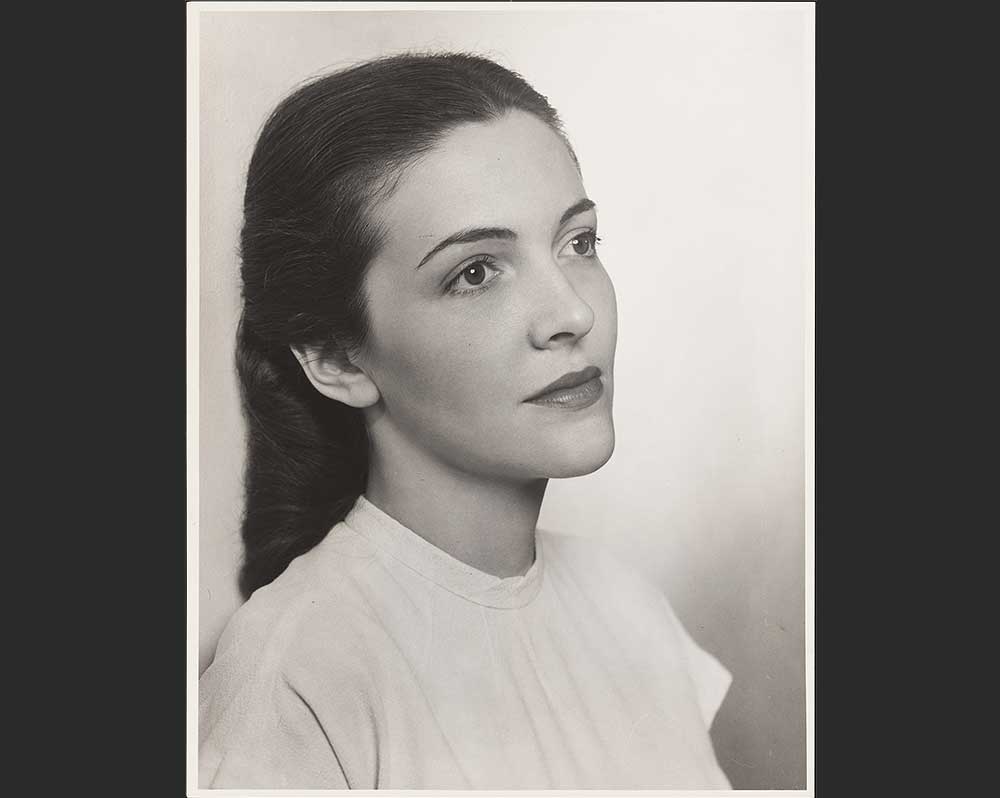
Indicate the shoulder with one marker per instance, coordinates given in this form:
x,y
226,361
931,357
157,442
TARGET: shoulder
x,y
625,594
596,567
313,615
292,660
562,549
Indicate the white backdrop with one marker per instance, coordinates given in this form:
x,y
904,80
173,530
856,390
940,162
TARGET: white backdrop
x,y
691,122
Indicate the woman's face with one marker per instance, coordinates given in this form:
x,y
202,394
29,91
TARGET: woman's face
x,y
464,335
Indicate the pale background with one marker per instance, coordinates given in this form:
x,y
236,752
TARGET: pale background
x,y
690,122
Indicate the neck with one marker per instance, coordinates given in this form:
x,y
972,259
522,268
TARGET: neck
x,y
483,522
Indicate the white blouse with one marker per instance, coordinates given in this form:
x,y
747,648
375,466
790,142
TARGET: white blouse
x,y
377,660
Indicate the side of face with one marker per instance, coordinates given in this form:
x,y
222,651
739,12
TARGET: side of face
x,y
459,344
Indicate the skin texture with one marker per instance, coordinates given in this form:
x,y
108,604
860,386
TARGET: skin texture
x,y
457,454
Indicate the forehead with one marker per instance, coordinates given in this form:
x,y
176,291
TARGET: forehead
x,y
513,172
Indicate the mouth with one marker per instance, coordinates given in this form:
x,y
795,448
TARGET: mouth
x,y
572,391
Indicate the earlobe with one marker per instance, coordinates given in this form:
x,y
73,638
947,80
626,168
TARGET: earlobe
x,y
336,377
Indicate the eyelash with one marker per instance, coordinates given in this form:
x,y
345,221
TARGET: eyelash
x,y
487,260
594,239
490,261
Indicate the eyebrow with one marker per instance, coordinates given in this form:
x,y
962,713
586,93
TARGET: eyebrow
x,y
473,234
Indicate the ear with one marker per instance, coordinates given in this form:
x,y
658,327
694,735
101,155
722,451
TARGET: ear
x,y
334,376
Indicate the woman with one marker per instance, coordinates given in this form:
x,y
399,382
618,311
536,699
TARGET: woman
x,y
428,336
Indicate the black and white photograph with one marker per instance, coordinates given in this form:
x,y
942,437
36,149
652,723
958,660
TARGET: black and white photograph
x,y
500,397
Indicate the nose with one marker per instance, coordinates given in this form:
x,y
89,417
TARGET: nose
x,y
561,315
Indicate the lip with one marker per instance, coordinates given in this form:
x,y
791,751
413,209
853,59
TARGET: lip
x,y
574,390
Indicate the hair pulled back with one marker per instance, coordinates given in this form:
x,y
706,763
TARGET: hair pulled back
x,y
326,155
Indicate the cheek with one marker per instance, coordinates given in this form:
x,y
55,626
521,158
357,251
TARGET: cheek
x,y
611,302
600,295
425,365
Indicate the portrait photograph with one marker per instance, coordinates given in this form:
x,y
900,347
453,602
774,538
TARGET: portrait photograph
x,y
500,397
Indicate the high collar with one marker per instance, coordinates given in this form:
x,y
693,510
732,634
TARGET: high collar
x,y
403,544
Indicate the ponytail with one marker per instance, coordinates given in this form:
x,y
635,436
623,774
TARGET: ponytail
x,y
307,460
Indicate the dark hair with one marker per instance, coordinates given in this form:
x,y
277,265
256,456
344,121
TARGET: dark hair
x,y
324,158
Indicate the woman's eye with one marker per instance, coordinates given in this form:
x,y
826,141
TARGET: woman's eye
x,y
475,276
584,244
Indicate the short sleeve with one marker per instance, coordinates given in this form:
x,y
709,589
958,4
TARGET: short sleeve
x,y
275,742
711,679
644,603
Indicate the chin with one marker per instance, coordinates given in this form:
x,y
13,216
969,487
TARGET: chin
x,y
581,457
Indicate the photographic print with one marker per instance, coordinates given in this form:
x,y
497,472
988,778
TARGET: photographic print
x,y
500,393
